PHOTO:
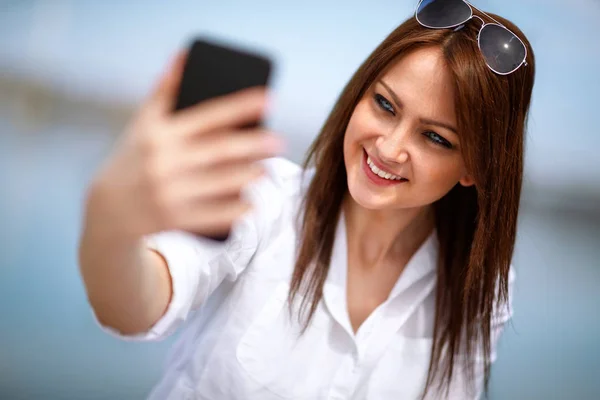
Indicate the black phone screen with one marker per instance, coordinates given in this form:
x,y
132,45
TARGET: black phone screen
x,y
213,69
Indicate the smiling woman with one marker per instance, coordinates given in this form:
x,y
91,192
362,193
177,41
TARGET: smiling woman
x,y
380,269
425,106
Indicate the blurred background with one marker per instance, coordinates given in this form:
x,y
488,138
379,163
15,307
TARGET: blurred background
x,y
72,72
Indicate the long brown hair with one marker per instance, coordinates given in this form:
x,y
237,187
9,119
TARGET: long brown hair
x,y
476,226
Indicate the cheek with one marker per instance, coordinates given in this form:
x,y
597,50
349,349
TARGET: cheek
x,y
363,123
357,132
440,173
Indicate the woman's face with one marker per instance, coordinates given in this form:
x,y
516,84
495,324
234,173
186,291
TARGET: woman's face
x,y
401,147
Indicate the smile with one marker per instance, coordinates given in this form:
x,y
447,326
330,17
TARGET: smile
x,y
381,173
379,176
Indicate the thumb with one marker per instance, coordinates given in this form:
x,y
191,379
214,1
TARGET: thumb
x,y
162,98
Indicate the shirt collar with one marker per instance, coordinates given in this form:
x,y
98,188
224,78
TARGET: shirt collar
x,y
421,264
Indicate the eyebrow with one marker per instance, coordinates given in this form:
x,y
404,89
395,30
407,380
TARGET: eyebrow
x,y
426,121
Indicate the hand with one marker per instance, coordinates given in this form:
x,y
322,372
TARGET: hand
x,y
185,170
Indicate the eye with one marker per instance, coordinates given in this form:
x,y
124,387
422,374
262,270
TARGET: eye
x,y
437,139
384,104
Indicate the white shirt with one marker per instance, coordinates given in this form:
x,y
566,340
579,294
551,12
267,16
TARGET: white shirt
x,y
238,340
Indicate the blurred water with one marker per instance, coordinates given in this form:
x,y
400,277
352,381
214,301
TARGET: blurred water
x,y
50,348
552,351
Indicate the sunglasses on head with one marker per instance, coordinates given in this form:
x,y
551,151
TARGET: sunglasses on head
x,y
502,50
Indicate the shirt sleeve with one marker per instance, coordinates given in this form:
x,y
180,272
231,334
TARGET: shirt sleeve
x,y
198,265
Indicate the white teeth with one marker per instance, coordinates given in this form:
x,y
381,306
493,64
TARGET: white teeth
x,y
380,173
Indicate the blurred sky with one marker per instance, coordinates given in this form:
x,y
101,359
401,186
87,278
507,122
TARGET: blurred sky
x,y
115,49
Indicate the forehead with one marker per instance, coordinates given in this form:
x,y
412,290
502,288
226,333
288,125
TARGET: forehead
x,y
423,82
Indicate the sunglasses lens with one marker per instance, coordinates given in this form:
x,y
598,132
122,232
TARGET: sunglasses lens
x,y
443,13
503,51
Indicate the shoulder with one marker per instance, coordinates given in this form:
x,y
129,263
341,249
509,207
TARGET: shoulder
x,y
287,175
284,180
504,311
279,191
512,275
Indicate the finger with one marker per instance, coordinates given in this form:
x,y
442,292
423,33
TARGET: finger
x,y
162,99
237,109
216,217
223,181
233,147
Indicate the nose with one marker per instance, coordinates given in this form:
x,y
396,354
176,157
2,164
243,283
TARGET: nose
x,y
392,147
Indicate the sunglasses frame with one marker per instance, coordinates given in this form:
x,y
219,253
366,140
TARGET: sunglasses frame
x,y
471,16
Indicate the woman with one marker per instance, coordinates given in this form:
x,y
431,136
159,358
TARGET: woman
x,y
378,270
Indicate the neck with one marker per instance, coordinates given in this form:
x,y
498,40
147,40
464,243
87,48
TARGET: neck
x,y
377,236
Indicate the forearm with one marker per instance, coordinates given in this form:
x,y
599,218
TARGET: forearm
x,y
127,284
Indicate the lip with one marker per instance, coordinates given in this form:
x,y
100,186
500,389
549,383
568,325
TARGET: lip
x,y
376,179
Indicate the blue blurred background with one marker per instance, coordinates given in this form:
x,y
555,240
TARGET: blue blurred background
x,y
72,72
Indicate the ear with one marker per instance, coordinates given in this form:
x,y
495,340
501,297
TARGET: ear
x,y
467,181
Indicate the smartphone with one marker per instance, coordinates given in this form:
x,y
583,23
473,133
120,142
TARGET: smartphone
x,y
215,69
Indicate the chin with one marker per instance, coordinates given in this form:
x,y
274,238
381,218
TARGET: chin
x,y
364,197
